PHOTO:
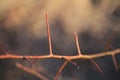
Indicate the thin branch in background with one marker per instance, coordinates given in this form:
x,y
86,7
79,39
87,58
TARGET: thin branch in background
x,y
60,70
96,65
109,46
31,71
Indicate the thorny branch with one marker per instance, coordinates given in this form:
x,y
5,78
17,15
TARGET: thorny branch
x,y
12,56
67,59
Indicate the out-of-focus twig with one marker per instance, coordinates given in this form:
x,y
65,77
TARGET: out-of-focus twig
x,y
31,71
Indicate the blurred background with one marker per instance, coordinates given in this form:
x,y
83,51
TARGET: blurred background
x,y
23,31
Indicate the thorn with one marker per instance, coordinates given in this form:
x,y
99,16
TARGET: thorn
x,y
115,62
77,43
60,70
96,65
48,33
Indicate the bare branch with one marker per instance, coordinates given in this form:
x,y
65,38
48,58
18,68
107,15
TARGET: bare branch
x,y
7,55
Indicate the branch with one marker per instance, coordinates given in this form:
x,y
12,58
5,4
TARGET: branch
x,y
96,55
